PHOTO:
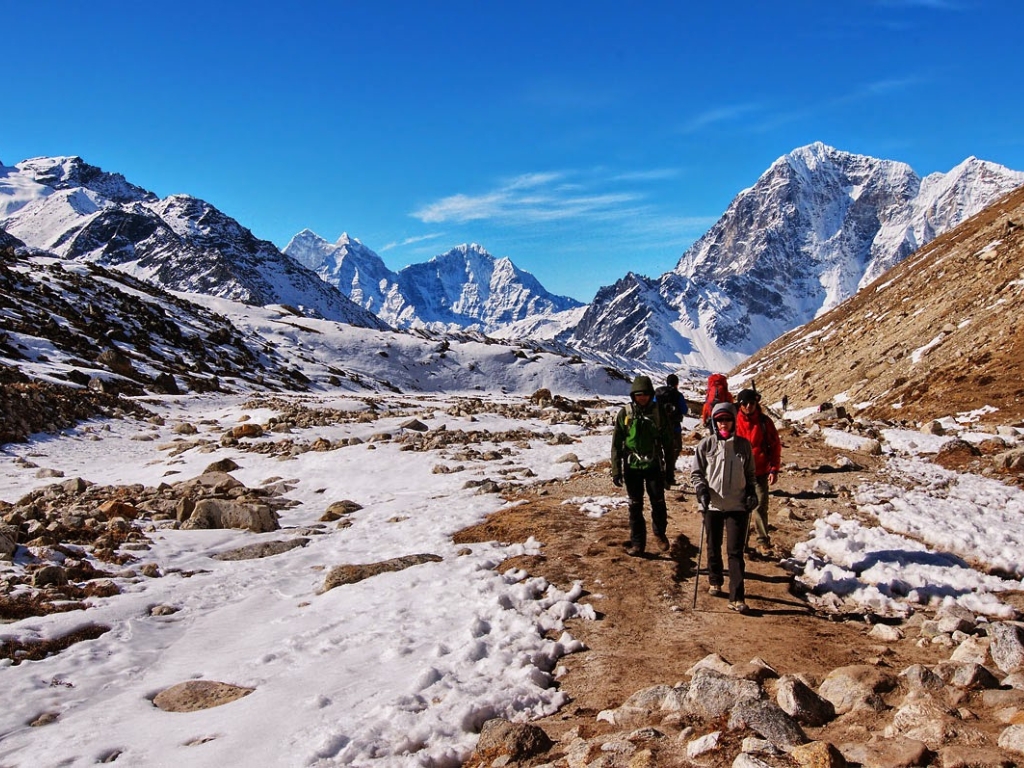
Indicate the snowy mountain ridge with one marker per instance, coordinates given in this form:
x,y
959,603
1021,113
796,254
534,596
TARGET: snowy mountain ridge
x,y
816,227
71,209
465,288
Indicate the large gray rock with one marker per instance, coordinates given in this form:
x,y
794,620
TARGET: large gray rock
x,y
224,513
1007,646
768,720
857,687
350,574
8,540
802,704
712,694
261,549
899,752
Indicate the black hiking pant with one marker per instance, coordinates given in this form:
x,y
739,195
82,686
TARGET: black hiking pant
x,y
637,480
734,526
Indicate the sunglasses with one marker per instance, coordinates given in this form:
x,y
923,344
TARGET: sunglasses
x,y
727,419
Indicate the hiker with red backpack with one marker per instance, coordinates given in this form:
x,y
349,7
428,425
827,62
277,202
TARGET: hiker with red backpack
x,y
642,458
753,424
718,392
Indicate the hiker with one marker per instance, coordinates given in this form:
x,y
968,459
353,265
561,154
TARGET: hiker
x,y
718,392
785,403
641,458
753,424
723,480
674,404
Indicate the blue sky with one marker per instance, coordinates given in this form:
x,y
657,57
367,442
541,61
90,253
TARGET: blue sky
x,y
580,139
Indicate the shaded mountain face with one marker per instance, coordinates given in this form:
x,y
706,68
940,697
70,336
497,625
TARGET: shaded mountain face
x,y
815,228
84,324
77,211
937,335
463,289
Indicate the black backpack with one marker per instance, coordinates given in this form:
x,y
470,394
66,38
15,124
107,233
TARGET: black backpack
x,y
672,402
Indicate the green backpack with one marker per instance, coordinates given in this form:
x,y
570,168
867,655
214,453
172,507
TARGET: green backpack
x,y
642,439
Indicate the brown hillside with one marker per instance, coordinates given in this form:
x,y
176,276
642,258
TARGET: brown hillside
x,y
936,335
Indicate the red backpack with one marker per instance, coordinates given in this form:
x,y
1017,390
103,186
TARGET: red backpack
x,y
718,392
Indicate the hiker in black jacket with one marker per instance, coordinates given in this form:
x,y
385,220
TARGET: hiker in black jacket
x,y
674,404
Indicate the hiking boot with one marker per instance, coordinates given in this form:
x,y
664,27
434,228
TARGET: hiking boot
x,y
765,550
739,606
715,590
634,551
663,544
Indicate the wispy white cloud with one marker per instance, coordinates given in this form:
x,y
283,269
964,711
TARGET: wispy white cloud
x,y
532,198
711,117
655,174
412,241
863,93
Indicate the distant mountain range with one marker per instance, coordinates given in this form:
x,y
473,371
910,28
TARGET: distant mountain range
x,y
463,289
818,225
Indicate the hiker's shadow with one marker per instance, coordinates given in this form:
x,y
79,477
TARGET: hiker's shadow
x,y
685,553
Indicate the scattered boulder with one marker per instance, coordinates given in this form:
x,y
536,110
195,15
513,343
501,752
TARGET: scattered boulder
x,y
856,687
350,574
502,741
224,513
195,695
1007,646
803,704
262,549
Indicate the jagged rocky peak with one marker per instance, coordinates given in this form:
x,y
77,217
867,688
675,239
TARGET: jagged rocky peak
x,y
73,172
815,228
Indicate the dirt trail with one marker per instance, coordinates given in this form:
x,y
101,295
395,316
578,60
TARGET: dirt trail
x,y
648,631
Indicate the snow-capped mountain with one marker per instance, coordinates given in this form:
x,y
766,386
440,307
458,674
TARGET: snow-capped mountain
x,y
816,227
84,326
65,206
464,289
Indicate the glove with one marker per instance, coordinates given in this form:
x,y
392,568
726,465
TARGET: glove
x,y
750,502
704,498
670,479
617,481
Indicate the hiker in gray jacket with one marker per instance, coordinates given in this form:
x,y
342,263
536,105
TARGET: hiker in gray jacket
x,y
723,480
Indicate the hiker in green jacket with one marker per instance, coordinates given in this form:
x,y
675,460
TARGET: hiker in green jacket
x,y
642,457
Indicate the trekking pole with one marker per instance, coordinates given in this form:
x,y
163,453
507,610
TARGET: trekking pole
x,y
700,552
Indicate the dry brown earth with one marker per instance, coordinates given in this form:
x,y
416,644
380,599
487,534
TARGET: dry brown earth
x,y
648,631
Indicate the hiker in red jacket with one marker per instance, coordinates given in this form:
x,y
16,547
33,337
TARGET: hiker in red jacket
x,y
759,429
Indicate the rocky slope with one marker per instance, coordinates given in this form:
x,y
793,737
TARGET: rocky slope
x,y
940,328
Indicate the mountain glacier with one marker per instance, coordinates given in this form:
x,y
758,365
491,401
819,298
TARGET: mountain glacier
x,y
463,289
816,227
